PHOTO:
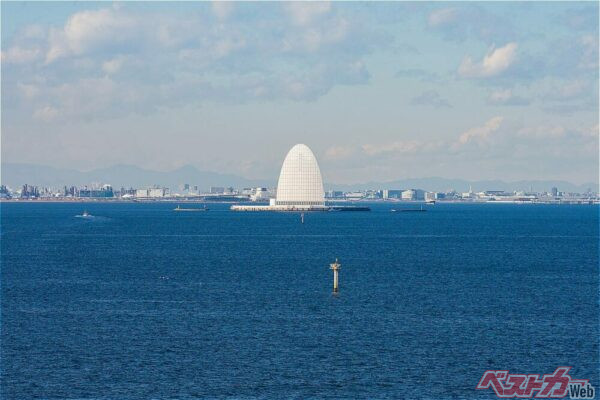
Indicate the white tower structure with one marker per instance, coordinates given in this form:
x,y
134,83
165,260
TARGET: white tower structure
x,y
336,266
300,186
300,182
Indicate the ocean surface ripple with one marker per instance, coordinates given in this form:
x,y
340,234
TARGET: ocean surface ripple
x,y
143,302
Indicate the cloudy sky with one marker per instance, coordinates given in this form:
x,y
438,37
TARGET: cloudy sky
x,y
379,91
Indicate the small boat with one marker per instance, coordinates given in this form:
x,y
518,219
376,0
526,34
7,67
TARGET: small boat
x,y
85,214
178,208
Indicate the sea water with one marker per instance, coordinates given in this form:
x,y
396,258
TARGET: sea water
x,y
140,301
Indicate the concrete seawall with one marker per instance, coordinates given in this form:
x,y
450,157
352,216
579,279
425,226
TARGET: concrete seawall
x,y
280,208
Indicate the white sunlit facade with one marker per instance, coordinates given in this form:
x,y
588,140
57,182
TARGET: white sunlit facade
x,y
300,182
300,185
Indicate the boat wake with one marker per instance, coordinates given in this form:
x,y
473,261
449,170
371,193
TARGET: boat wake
x,y
87,215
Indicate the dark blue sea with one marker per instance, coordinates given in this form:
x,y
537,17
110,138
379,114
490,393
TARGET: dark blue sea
x,y
141,302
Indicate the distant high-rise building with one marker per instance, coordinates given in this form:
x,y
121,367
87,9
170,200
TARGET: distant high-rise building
x,y
335,194
554,191
4,192
30,191
408,194
413,194
217,190
392,193
431,196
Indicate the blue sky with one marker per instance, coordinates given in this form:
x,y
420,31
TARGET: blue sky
x,y
379,91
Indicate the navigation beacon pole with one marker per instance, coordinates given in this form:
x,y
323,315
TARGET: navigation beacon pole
x,y
335,267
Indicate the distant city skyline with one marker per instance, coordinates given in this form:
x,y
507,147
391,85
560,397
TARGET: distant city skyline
x,y
128,176
379,91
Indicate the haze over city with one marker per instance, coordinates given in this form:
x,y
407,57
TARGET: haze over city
x,y
381,92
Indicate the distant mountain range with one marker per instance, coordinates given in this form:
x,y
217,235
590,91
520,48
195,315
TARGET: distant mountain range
x,y
15,175
461,185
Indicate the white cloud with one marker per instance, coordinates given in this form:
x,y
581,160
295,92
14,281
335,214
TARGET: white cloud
x,y
46,114
201,62
506,97
222,9
480,134
430,98
442,16
500,96
86,98
29,91
594,131
19,55
543,131
112,66
570,96
165,59
466,22
303,13
315,38
589,58
582,134
33,32
572,89
88,30
226,46
339,152
409,146
491,140
495,62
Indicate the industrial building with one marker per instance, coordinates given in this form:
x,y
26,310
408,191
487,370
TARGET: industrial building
x,y
155,192
103,192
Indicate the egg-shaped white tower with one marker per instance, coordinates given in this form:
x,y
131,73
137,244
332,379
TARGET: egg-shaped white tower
x,y
300,182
